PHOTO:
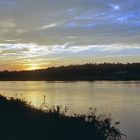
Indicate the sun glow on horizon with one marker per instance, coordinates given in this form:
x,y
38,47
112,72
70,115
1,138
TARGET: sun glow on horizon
x,y
33,66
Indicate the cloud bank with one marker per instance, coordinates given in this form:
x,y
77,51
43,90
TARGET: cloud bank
x,y
47,29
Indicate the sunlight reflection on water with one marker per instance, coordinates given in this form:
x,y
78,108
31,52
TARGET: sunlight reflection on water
x,y
120,98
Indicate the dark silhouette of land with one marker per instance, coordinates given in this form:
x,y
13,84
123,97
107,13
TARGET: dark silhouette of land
x,y
20,121
105,71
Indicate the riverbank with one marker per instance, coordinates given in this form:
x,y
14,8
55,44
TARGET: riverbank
x,y
85,72
20,121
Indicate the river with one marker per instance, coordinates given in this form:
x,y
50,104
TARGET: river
x,y
120,98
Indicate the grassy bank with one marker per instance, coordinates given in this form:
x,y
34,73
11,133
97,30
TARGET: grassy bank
x,y
20,121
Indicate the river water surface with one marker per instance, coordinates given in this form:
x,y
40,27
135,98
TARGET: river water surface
x,y
120,98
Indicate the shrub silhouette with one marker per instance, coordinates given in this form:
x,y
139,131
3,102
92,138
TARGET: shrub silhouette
x,y
21,121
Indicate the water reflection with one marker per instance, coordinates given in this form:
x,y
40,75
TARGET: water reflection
x,y
120,98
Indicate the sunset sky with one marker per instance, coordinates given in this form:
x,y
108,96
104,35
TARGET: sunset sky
x,y
42,33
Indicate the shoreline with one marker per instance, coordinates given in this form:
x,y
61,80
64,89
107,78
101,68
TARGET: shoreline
x,y
72,80
20,121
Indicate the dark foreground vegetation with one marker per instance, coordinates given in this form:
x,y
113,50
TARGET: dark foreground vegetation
x,y
20,121
106,71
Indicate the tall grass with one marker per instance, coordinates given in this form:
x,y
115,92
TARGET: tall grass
x,y
21,121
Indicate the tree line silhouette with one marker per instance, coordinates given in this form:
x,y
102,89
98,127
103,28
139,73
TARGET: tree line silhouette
x,y
89,71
